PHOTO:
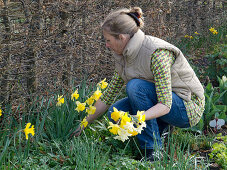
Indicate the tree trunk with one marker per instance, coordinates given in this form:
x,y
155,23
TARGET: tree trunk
x,y
33,30
4,84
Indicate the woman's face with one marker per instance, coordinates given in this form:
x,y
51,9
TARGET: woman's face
x,y
116,44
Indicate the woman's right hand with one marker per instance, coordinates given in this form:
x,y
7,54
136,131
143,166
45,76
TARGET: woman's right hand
x,y
77,132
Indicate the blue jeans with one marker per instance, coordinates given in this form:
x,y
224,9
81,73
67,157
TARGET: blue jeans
x,y
142,96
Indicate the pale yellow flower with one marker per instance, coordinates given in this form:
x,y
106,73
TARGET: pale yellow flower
x,y
103,84
140,116
75,95
84,123
140,127
97,94
91,110
130,128
80,106
28,130
60,100
122,135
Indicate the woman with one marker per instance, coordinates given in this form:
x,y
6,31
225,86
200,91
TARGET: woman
x,y
158,79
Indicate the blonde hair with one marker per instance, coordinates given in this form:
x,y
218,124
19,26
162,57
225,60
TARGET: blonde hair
x,y
123,21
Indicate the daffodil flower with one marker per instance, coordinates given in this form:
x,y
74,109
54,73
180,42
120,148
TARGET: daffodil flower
x,y
84,123
28,130
103,84
124,119
97,94
91,110
114,128
0,111
115,115
60,100
140,127
140,116
123,135
75,95
214,31
90,100
80,106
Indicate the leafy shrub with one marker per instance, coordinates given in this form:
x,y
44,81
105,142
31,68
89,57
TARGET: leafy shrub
x,y
219,152
217,62
214,104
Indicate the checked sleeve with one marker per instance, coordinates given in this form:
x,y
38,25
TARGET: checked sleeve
x,y
161,61
113,89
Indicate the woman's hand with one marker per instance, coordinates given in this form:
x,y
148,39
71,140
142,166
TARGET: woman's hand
x,y
77,132
100,109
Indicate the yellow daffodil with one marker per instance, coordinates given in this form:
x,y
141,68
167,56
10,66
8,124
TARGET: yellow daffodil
x,y
140,116
124,119
84,123
75,95
60,100
115,115
97,94
213,30
0,111
114,128
28,130
80,106
91,110
187,36
90,100
103,84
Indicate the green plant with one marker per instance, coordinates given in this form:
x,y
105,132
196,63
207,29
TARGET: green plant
x,y
61,121
214,108
217,62
219,152
222,88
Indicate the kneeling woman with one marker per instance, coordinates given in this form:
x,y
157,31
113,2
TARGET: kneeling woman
x,y
158,78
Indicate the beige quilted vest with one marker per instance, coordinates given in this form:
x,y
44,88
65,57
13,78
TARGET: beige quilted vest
x,y
136,60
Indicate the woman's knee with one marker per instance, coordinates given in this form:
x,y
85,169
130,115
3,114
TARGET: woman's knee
x,y
139,85
132,85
